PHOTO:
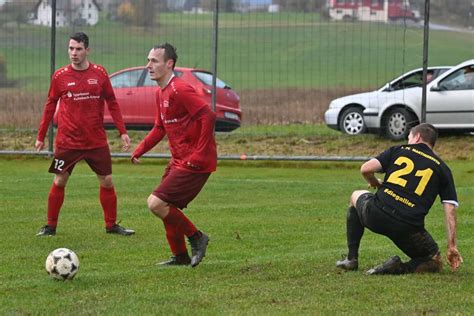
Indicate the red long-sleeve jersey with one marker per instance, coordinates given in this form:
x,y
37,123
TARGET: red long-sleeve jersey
x,y
188,122
81,96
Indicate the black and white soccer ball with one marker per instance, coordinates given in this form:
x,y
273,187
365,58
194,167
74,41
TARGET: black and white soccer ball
x,y
62,264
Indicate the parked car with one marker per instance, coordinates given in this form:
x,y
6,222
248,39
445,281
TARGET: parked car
x,y
135,93
449,105
346,113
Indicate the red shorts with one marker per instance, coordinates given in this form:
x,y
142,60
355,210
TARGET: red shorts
x,y
179,187
98,159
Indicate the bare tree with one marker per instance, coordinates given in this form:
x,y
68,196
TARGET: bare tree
x,y
145,13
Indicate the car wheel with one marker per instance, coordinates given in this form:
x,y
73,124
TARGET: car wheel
x,y
352,121
398,123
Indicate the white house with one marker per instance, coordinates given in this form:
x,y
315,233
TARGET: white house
x,y
68,12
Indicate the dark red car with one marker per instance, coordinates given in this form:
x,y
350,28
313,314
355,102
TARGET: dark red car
x,y
135,93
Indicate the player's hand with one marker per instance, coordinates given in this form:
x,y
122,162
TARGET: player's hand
x,y
454,258
135,160
39,145
375,185
126,142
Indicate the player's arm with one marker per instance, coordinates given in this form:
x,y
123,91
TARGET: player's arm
x,y
452,254
48,114
368,170
151,140
153,137
116,114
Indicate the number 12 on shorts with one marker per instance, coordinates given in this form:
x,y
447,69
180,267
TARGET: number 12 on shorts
x,y
58,164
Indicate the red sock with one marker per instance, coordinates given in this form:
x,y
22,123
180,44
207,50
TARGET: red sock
x,y
55,201
181,223
108,200
175,239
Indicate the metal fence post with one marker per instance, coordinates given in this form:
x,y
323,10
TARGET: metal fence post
x,y
214,53
426,32
53,67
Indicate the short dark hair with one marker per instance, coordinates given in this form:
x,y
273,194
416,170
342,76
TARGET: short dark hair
x,y
428,133
170,52
80,37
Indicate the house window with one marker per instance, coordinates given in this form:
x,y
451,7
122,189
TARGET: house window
x,y
90,5
90,16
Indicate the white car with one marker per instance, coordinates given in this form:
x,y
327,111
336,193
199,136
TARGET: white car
x,y
346,113
449,105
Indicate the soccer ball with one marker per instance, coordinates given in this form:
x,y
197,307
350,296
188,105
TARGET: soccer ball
x,y
62,264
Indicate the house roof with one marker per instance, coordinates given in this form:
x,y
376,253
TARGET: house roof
x,y
62,5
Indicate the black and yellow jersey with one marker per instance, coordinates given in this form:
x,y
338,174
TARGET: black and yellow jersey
x,y
414,177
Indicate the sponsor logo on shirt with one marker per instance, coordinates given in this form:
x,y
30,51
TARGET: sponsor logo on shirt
x,y
81,96
399,198
171,121
175,120
92,81
166,104
71,84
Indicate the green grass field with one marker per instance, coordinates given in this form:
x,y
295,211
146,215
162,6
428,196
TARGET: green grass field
x,y
255,50
276,230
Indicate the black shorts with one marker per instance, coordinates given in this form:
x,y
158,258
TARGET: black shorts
x,y
179,187
414,241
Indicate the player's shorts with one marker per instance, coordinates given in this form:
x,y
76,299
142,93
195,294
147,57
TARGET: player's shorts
x,y
179,187
414,241
98,159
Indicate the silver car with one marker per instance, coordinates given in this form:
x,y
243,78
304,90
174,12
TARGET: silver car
x,y
346,113
449,105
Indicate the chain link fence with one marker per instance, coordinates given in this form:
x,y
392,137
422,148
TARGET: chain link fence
x,y
286,60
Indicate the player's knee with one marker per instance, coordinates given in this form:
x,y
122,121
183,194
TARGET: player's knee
x,y
60,180
106,181
157,206
355,196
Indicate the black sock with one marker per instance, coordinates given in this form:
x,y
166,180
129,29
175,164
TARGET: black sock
x,y
355,230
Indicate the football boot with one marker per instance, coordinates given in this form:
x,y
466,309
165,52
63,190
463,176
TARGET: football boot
x,y
198,248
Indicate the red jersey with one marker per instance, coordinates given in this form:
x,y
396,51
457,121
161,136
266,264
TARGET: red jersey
x,y
81,95
188,122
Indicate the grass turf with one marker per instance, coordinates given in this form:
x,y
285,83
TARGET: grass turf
x,y
276,230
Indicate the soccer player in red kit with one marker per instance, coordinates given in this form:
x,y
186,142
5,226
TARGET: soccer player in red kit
x,y
81,89
188,122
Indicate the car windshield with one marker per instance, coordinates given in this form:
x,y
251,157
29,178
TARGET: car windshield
x,y
206,78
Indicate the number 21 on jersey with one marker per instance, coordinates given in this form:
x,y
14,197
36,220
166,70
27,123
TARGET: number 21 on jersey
x,y
397,177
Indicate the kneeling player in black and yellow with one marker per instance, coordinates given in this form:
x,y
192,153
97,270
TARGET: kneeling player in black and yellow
x,y
414,177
